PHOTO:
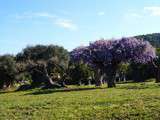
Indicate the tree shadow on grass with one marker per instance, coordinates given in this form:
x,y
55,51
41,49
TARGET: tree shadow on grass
x,y
4,92
49,91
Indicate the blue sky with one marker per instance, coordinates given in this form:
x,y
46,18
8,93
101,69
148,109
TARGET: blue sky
x,y
71,23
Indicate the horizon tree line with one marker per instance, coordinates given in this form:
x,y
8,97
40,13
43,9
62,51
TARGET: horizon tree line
x,y
52,66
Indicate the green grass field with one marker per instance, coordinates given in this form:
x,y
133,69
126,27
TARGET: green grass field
x,y
132,101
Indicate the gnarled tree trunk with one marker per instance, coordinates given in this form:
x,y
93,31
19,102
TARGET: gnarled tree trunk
x,y
111,74
111,81
41,77
98,78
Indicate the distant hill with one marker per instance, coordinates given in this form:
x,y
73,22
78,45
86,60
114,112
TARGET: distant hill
x,y
154,39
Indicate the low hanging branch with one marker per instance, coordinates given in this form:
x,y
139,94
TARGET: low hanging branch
x,y
39,73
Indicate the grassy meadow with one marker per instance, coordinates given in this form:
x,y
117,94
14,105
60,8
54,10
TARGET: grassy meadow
x,y
131,101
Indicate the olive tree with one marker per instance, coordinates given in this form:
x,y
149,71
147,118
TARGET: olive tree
x,y
44,63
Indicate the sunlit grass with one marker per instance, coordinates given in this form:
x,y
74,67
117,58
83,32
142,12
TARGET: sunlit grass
x,y
127,101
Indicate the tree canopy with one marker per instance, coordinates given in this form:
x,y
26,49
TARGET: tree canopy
x,y
7,71
44,61
105,55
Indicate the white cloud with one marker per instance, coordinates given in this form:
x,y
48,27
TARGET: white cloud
x,y
135,15
153,10
31,15
101,13
45,14
59,21
68,24
145,12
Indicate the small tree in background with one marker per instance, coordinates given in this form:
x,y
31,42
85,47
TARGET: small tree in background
x,y
122,72
80,74
7,71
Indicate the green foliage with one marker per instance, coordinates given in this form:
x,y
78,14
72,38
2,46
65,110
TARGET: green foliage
x,y
140,72
154,39
7,71
122,71
157,61
55,70
123,67
44,53
45,64
22,75
80,74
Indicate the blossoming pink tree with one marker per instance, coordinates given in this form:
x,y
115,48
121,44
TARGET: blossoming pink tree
x,y
105,56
